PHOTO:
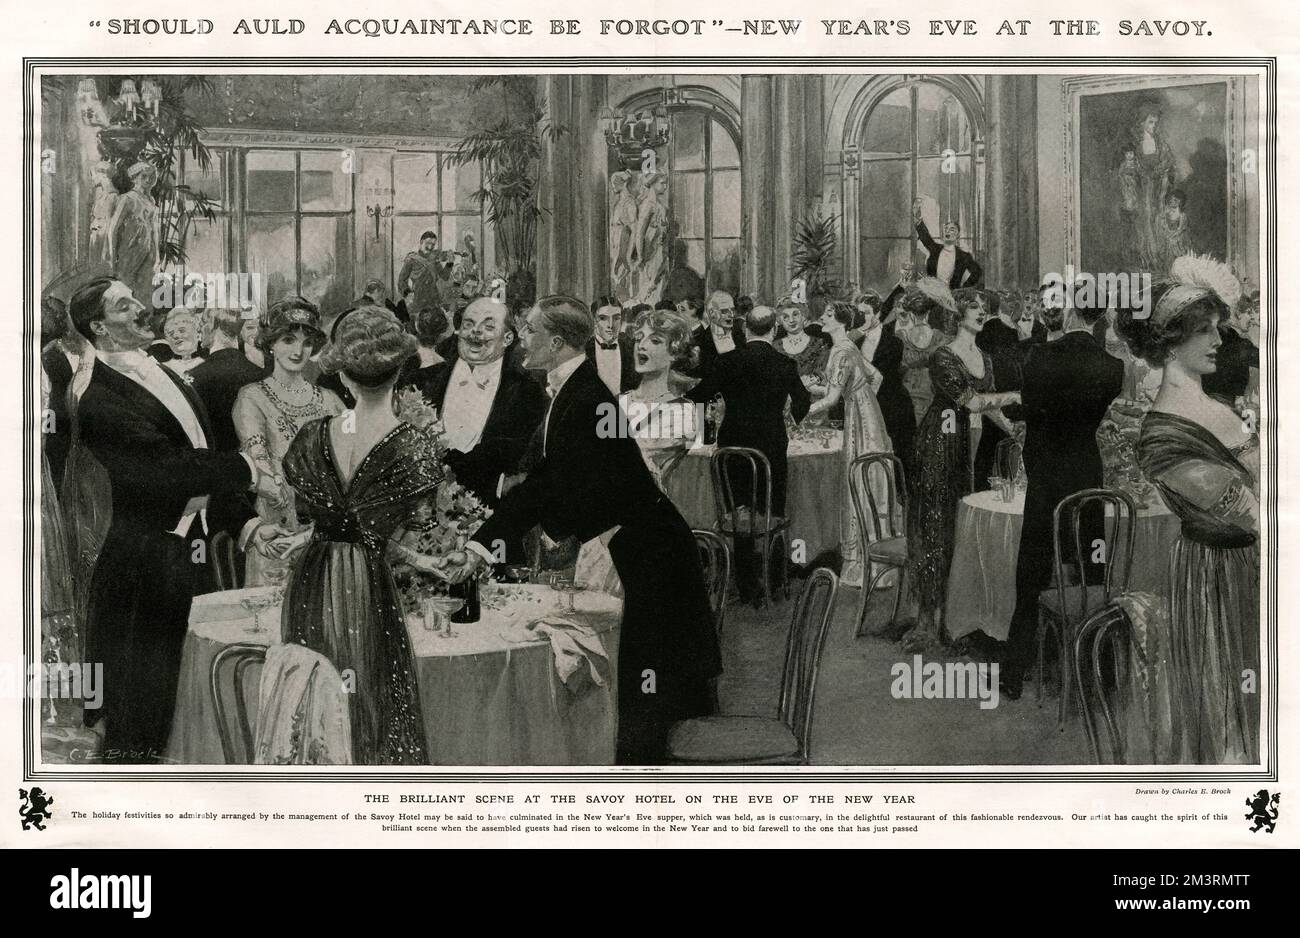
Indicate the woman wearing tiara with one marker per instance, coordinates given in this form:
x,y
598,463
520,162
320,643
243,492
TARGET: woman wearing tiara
x,y
268,415
1205,461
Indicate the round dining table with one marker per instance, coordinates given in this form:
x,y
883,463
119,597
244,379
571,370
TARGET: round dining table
x,y
816,491
490,693
986,545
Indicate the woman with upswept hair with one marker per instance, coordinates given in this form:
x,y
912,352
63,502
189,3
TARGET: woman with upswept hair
x,y
962,378
357,480
663,423
268,415
1204,459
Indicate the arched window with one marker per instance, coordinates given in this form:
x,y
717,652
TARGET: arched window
x,y
704,189
704,212
918,141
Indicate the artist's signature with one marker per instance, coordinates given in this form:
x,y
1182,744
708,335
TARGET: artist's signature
x,y
130,756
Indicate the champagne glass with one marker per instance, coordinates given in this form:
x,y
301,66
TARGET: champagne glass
x,y
562,583
437,612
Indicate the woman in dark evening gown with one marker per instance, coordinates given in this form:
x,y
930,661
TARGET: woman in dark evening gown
x,y
358,478
1204,459
942,458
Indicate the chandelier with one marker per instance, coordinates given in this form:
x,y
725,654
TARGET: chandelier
x,y
630,135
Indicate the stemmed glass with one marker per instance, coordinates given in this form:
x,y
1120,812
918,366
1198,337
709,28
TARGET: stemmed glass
x,y
437,611
565,584
258,604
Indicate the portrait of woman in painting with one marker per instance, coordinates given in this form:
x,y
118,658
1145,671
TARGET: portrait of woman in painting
x,y
1147,175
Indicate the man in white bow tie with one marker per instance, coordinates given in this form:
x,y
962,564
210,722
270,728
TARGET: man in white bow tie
x,y
150,432
490,407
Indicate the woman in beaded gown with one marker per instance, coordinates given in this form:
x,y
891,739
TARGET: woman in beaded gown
x,y
663,423
358,487
1204,459
268,415
920,341
962,378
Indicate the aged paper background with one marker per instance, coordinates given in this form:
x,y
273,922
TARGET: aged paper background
x,y
1253,28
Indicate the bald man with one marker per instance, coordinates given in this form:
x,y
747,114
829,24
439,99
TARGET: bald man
x,y
489,407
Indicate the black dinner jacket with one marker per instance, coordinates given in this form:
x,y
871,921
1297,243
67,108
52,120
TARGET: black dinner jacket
x,y
515,416
703,336
966,272
754,382
152,466
587,481
1068,384
628,378
217,382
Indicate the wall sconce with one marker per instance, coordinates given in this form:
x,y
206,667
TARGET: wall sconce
x,y
150,95
128,98
380,194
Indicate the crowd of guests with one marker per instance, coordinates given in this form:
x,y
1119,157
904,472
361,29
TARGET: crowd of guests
x,y
193,421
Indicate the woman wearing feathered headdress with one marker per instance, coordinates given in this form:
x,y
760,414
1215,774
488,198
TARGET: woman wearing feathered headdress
x,y
1204,459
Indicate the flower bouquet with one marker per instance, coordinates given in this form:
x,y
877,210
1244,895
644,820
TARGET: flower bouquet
x,y
442,525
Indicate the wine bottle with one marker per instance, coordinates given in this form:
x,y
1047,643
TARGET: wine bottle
x,y
468,591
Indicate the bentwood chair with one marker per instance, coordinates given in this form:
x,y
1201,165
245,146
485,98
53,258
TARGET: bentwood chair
x,y
737,472
1107,633
224,563
716,561
882,525
236,660
1063,608
787,738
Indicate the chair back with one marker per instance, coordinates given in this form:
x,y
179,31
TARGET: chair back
x,y
1109,626
302,710
882,511
741,473
809,626
235,659
1114,548
716,561
1006,459
223,558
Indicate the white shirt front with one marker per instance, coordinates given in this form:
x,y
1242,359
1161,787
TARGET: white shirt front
x,y
947,261
609,364
468,402
725,343
145,371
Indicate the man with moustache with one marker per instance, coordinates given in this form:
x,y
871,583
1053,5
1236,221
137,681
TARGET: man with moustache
x,y
592,484
423,273
490,407
150,432
610,350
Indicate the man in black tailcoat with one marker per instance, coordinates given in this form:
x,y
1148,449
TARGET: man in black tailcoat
x,y
1068,384
150,432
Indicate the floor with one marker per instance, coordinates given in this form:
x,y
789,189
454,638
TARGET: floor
x,y
856,719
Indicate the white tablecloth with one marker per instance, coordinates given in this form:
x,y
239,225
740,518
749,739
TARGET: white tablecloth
x,y
816,491
982,578
486,699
